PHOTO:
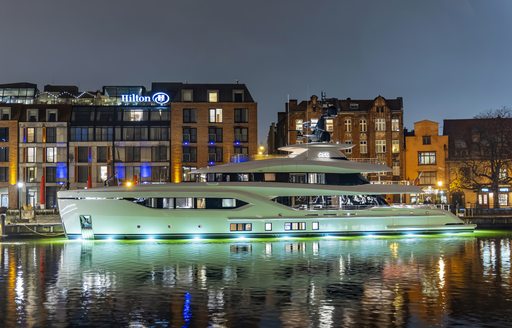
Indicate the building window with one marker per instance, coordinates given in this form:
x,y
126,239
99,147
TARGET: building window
x,y
159,133
268,226
238,95
240,227
83,173
380,124
189,115
51,115
214,154
380,146
159,153
426,140
83,154
4,154
132,154
428,178
187,95
4,134
103,173
213,96
395,124
32,115
159,173
135,133
503,199
503,175
348,125
51,135
354,106
190,154
214,134
290,226
348,150
135,115
51,174
363,147
299,125
426,158
102,153
363,125
396,168
51,154
215,115
81,134
104,134
315,226
241,115
241,134
329,125
31,135
395,146
5,114
31,174
4,174
189,134
31,155
241,150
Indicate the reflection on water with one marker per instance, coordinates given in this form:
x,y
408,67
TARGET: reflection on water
x,y
456,280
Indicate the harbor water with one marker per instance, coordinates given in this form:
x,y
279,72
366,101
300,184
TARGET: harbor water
x,y
408,281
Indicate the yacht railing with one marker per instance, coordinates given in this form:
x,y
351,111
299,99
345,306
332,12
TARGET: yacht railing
x,y
320,207
366,160
388,182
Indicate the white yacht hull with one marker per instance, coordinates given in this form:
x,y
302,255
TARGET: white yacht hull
x,y
117,217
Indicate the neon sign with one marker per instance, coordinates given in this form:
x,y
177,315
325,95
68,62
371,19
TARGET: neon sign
x,y
324,154
160,98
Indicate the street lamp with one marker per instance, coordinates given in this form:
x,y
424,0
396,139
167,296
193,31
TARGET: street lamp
x,y
21,185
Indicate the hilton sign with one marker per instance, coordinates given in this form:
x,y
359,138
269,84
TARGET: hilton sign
x,y
159,98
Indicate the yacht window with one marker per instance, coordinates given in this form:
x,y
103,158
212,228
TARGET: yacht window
x,y
316,178
270,177
201,203
184,202
268,226
314,226
240,227
167,203
294,226
228,202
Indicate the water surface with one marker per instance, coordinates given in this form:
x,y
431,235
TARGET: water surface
x,y
411,281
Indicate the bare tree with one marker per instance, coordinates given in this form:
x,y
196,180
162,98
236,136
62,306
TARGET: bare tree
x,y
489,157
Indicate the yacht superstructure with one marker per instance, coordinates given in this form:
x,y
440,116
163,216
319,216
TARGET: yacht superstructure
x,y
315,191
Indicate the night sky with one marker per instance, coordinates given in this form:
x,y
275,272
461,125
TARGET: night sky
x,y
446,58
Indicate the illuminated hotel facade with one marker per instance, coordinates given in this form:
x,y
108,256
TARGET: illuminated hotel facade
x,y
63,138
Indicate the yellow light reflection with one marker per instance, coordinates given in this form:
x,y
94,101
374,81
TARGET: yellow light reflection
x,y
441,272
393,247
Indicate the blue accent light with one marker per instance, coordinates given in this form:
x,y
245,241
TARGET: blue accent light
x,y
145,171
211,163
211,143
185,143
237,143
187,309
62,171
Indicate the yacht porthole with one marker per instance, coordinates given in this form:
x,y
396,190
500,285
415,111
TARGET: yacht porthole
x,y
199,226
138,226
169,226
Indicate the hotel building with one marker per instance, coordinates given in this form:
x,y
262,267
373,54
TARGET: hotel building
x,y
73,139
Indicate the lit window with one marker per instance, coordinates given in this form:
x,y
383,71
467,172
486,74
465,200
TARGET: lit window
x,y
396,168
395,124
213,96
215,115
31,134
380,146
363,147
428,178
314,226
103,173
329,125
228,202
240,227
363,125
427,158
313,123
268,226
380,124
187,202
395,146
299,125
348,125
294,226
31,155
51,154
